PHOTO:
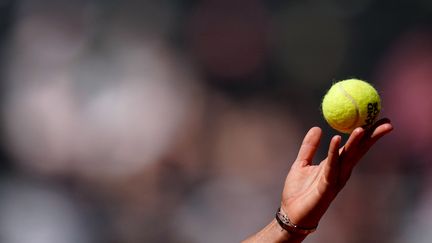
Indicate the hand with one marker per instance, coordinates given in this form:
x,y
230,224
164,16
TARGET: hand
x,y
309,189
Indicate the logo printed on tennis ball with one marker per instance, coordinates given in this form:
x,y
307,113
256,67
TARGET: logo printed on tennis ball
x,y
372,113
350,104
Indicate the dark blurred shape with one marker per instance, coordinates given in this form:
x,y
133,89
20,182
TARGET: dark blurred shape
x,y
229,38
343,8
310,44
7,11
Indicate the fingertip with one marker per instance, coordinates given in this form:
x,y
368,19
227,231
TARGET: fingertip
x,y
355,137
382,130
358,131
333,154
357,134
315,129
337,138
312,134
383,124
335,143
388,127
309,146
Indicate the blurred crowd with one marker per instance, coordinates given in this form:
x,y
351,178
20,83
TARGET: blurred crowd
x,y
177,121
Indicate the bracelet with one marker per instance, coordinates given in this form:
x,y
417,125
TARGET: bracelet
x,y
287,225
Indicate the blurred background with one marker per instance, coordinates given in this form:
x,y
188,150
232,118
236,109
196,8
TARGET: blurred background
x,y
177,121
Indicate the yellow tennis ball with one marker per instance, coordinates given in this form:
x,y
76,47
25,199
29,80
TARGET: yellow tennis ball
x,y
350,104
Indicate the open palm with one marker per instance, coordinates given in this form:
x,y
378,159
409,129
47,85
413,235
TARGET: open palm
x,y
309,189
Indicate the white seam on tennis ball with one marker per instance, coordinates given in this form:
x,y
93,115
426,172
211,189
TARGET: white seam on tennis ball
x,y
354,102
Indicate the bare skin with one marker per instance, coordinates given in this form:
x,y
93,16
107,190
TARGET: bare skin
x,y
309,189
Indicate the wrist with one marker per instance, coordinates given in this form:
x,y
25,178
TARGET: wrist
x,y
303,218
285,236
286,224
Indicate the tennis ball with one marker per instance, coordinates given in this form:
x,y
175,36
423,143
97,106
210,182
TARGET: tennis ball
x,y
350,104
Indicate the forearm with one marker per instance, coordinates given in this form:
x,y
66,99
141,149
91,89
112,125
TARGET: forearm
x,y
273,233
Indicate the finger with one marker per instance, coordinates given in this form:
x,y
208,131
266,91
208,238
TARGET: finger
x,y
353,140
358,149
331,166
349,154
380,131
309,147
376,125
